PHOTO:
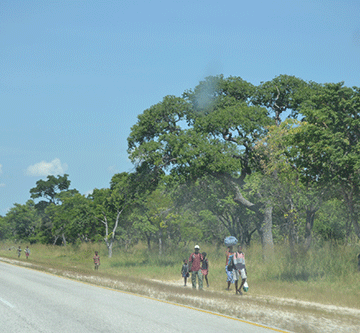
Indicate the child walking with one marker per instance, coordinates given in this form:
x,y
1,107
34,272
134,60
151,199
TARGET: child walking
x,y
205,268
27,252
185,271
96,260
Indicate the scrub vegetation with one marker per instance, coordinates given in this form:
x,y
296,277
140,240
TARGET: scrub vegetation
x,y
326,275
275,165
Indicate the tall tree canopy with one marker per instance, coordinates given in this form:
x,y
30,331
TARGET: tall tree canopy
x,y
327,144
49,189
211,131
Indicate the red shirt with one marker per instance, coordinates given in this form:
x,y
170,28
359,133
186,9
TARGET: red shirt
x,y
196,260
96,259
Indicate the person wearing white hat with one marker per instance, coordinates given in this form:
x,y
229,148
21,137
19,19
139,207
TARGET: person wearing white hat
x,y
195,260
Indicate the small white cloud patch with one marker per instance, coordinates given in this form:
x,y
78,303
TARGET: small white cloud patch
x,y
88,193
55,167
112,169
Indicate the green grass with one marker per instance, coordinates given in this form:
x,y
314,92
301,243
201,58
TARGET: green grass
x,y
326,274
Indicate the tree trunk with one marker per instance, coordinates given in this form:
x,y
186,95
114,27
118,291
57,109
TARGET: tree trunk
x,y
160,243
291,228
350,201
354,220
148,241
267,241
265,225
310,217
55,239
110,240
109,246
64,239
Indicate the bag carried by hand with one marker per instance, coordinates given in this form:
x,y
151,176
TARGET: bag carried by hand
x,y
246,286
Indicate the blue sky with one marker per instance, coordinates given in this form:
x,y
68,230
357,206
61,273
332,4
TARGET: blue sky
x,y
74,75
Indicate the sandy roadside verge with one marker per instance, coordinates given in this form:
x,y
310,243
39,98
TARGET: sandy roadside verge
x,y
285,314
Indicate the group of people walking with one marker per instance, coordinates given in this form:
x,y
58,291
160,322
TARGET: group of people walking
x,y
198,266
235,268
27,252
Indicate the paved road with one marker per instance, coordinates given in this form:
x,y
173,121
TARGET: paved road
x,y
32,301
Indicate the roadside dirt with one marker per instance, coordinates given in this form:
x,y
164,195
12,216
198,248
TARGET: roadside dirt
x,y
280,313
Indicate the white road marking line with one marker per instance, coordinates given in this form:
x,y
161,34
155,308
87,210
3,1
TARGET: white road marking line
x,y
7,303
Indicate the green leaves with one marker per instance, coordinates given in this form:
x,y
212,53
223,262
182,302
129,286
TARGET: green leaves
x,y
20,222
49,189
330,139
219,129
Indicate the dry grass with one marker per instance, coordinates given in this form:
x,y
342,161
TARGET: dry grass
x,y
297,303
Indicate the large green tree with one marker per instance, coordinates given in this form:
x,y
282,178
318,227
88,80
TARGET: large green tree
x,y
280,178
210,131
49,190
327,144
21,221
71,220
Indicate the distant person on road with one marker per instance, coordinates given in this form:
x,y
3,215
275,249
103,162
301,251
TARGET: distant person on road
x,y
205,268
229,270
195,260
19,251
27,252
185,271
96,260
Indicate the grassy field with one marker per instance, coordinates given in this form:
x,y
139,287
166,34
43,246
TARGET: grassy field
x,y
326,274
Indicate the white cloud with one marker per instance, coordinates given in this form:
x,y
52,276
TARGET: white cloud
x,y
88,192
112,169
0,168
47,168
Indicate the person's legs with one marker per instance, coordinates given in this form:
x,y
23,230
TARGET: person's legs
x,y
207,281
243,277
200,278
229,278
193,280
236,278
236,287
242,284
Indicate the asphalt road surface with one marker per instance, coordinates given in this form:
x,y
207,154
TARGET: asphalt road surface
x,y
32,301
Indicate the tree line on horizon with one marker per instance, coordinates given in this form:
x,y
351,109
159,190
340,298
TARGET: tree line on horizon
x,y
277,162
